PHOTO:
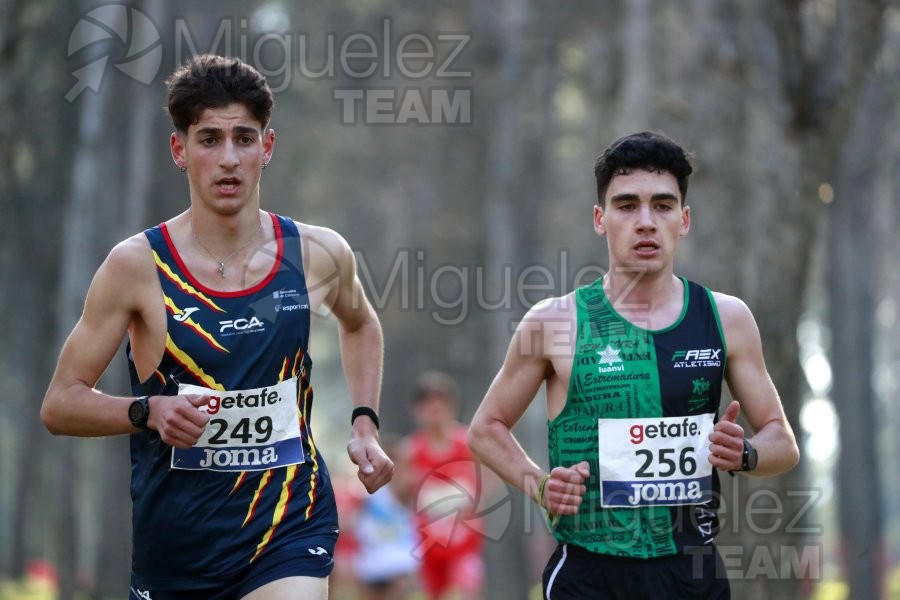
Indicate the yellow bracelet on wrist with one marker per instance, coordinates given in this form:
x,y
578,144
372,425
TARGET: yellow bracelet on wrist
x,y
539,494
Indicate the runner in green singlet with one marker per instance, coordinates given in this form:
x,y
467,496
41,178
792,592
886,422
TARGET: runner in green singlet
x,y
633,366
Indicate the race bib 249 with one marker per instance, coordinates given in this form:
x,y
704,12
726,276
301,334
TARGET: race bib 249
x,y
248,430
661,461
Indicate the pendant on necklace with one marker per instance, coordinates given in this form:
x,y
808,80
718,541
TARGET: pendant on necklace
x,y
222,268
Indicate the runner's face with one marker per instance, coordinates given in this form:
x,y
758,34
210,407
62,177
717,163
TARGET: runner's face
x,y
224,152
642,220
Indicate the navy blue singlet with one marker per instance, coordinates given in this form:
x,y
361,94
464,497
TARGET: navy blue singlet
x,y
255,486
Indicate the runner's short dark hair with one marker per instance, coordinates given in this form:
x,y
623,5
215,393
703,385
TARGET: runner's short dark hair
x,y
647,150
211,81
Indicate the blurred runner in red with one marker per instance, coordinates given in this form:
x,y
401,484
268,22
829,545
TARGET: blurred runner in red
x,y
447,492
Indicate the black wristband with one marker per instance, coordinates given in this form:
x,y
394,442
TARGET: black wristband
x,y
364,410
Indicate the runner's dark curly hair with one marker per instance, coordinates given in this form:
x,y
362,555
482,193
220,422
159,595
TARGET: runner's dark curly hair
x,y
646,150
210,81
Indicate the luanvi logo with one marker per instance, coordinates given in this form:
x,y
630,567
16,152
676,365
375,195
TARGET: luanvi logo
x,y
185,314
319,551
610,356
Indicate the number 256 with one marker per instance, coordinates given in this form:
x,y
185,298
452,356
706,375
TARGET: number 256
x,y
667,466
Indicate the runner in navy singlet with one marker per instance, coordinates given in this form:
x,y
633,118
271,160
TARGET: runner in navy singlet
x,y
231,497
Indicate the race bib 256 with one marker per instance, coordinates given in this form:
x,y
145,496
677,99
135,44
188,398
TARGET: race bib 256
x,y
248,430
661,461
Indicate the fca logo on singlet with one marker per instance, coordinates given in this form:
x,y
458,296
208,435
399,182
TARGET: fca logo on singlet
x,y
244,325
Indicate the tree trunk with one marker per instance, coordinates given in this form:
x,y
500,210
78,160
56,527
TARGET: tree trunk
x,y
27,270
853,254
77,266
820,85
506,24
636,93
9,47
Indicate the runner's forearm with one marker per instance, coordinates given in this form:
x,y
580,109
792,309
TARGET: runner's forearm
x,y
82,411
776,449
362,355
495,445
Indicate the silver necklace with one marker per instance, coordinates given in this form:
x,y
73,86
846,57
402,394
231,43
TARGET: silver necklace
x,y
222,261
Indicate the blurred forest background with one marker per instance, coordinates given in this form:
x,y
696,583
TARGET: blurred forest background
x,y
463,179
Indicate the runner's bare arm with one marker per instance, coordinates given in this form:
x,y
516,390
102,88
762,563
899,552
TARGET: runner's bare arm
x,y
490,437
752,387
362,356
72,406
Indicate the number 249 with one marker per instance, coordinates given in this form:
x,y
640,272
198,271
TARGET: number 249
x,y
241,431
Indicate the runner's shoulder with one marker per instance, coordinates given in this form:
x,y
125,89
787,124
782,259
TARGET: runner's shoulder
x,y
556,309
131,260
733,311
739,326
547,327
323,237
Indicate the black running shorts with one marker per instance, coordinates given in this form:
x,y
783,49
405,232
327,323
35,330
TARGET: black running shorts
x,y
574,573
